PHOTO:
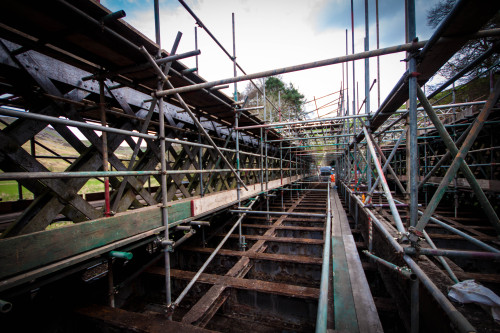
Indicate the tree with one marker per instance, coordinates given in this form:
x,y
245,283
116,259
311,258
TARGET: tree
x,y
292,101
473,49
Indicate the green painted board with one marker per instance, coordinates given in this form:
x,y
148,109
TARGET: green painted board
x,y
344,307
345,311
26,252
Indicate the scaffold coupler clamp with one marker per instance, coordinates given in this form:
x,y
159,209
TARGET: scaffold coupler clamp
x,y
167,244
243,243
403,237
114,291
414,235
169,310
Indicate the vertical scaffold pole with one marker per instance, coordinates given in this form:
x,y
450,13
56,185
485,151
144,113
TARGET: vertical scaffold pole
x,y
265,154
367,91
200,163
412,34
353,63
196,48
104,136
378,46
413,119
347,74
163,176
236,121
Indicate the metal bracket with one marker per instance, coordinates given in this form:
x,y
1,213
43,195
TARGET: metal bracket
x,y
414,235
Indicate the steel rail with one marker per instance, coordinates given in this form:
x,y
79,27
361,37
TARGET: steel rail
x,y
72,123
375,220
458,160
440,258
321,122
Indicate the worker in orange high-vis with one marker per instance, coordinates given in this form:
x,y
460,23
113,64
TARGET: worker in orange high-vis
x,y
332,179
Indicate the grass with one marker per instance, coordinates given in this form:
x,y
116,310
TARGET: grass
x,y
51,139
9,189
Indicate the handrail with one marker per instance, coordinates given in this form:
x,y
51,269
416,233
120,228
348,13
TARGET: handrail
x,y
322,314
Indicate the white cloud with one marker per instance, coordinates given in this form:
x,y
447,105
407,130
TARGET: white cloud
x,y
269,34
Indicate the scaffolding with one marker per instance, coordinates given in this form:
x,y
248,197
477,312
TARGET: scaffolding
x,y
382,159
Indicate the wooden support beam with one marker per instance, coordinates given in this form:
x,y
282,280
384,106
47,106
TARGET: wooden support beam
x,y
20,156
241,283
304,241
260,255
364,305
138,322
27,252
208,305
282,227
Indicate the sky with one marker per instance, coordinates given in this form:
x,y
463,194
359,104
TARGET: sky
x,y
277,33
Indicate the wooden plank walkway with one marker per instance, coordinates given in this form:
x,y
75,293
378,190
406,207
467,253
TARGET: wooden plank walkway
x,y
354,306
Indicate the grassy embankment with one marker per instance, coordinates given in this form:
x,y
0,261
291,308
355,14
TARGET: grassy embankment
x,y
52,140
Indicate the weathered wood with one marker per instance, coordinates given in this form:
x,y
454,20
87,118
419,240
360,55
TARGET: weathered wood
x,y
482,277
20,156
113,160
65,263
282,227
214,200
208,305
26,252
366,311
460,238
260,255
137,322
245,284
305,241
346,317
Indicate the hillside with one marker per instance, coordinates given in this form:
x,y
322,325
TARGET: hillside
x,y
49,138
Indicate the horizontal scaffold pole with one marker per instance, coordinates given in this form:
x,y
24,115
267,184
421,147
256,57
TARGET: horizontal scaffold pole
x,y
258,212
79,124
326,62
283,70
92,174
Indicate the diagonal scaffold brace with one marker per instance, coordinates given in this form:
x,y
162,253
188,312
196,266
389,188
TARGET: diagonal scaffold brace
x,y
458,161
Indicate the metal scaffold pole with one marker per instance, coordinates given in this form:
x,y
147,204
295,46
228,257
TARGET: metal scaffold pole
x,y
367,92
163,176
414,155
